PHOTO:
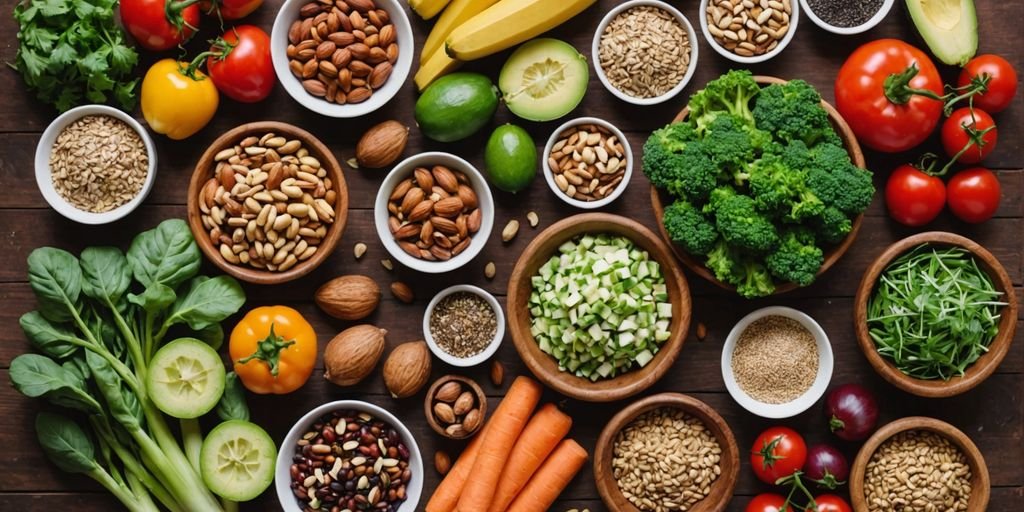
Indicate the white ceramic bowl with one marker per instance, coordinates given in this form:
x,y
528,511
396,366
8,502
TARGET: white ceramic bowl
x,y
549,176
804,401
403,170
499,334
42,165
867,25
289,12
794,17
596,45
282,475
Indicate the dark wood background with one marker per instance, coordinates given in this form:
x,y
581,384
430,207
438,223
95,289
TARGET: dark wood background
x,y
992,414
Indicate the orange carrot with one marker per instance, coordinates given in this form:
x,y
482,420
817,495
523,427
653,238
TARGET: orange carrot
x,y
551,478
446,496
540,436
505,426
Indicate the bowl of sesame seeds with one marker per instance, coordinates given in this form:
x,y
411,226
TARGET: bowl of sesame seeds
x,y
463,325
846,17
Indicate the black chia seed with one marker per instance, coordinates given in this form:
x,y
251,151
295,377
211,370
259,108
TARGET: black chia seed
x,y
844,13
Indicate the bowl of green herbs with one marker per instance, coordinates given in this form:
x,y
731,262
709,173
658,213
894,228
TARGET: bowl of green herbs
x,y
935,314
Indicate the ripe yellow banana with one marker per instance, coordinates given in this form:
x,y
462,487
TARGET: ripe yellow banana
x,y
508,23
456,14
433,67
427,8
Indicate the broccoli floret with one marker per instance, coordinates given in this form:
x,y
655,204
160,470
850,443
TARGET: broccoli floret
x,y
838,182
724,261
749,276
674,160
717,196
797,259
832,225
732,145
731,93
755,280
740,224
689,227
792,111
780,191
793,153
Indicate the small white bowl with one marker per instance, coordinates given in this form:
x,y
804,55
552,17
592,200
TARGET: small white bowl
x,y
282,474
596,47
289,12
42,165
804,401
499,333
846,31
403,170
794,17
549,176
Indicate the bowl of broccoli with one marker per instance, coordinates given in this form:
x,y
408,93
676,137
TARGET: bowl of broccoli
x,y
759,184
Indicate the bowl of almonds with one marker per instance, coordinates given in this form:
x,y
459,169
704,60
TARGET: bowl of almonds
x,y
267,202
588,162
342,58
434,212
749,31
455,407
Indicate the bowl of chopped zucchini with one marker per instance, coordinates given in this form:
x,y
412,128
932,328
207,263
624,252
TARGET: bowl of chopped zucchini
x,y
597,308
935,314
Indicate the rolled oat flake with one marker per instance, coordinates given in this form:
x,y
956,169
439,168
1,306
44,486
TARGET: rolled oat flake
x,y
844,13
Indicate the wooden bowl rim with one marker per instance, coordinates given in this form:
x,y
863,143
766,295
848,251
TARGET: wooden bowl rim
x,y
832,256
982,368
722,487
543,366
980,480
203,171
428,409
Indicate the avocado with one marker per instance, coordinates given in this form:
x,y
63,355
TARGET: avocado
x,y
544,79
510,158
456,106
948,27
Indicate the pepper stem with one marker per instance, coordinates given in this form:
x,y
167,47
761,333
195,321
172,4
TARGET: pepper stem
x,y
269,350
897,87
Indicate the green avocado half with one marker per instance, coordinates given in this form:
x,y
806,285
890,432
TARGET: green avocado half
x,y
948,27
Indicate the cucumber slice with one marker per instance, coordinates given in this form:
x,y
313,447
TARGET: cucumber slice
x,y
186,378
237,460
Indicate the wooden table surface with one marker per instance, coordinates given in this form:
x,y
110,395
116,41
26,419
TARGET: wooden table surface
x,y
992,414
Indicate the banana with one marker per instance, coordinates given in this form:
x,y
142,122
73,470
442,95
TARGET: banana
x,y
508,23
456,14
427,8
434,67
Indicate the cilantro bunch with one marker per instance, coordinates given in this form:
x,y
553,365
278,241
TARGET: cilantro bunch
x,y
73,51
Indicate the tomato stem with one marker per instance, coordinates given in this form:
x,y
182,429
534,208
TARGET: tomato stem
x,y
269,350
797,484
767,453
172,11
897,87
978,85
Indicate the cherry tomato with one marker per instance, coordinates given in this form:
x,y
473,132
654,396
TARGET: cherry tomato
x,y
913,197
160,24
230,9
974,194
831,503
967,126
240,64
1002,81
778,452
885,91
767,502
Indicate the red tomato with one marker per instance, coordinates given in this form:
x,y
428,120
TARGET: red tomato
x,y
160,24
230,9
767,502
778,452
974,194
831,503
240,64
913,197
1002,81
969,126
893,116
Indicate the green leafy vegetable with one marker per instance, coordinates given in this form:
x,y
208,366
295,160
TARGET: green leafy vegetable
x,y
232,405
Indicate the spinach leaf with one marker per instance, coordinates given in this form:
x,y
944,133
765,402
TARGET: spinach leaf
x,y
65,443
212,335
56,278
232,404
77,368
54,340
34,375
167,254
155,299
105,274
122,404
207,302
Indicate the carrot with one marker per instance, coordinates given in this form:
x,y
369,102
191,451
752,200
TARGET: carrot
x,y
505,426
540,436
446,496
551,478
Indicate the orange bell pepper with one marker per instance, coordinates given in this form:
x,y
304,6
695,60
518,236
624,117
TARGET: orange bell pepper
x,y
274,350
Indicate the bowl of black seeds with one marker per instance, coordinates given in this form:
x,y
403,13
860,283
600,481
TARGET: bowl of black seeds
x,y
846,17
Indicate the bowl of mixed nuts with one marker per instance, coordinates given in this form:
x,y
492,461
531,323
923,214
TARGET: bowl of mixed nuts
x,y
749,31
267,202
349,455
587,162
344,58
434,212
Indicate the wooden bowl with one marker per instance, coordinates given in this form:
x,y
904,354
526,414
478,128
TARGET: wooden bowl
x,y
721,488
543,366
980,482
985,365
428,404
660,198
204,171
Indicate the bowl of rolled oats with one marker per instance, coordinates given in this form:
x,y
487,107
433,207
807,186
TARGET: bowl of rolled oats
x,y
95,164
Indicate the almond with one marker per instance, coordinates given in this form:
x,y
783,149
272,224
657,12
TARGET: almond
x,y
352,297
421,211
448,207
325,50
449,391
442,462
382,144
423,178
446,179
401,291
462,226
444,413
473,220
407,231
359,51
392,52
410,249
456,431
461,246
440,192
341,39
472,420
314,87
467,196
386,36
378,56
463,403
441,253
361,5
427,232
328,69
446,226
497,373
441,240
412,198
359,95
401,189
295,32
341,58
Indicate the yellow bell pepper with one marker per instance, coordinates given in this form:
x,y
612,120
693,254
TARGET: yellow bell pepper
x,y
274,350
176,101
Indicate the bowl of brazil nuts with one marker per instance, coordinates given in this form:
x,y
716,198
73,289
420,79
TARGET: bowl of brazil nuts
x,y
267,202
749,31
344,454
587,162
673,427
345,58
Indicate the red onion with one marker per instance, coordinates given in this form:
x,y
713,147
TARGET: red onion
x,y
827,466
852,412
